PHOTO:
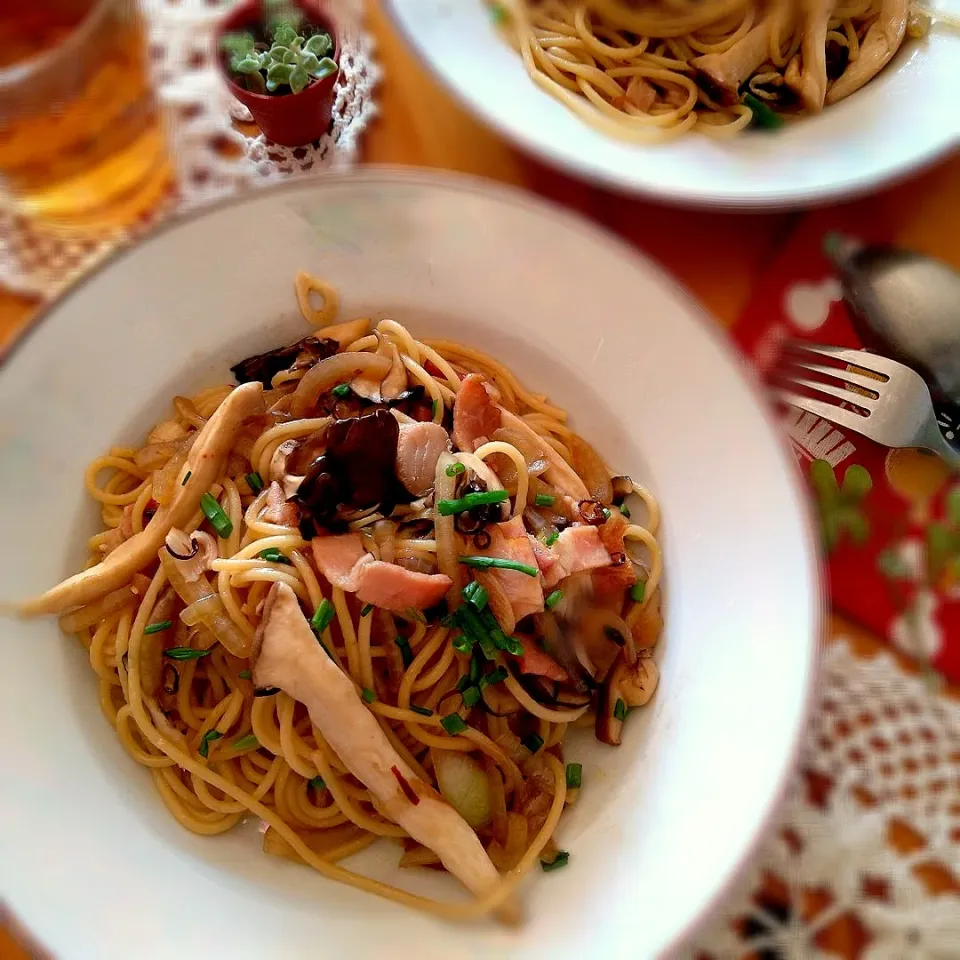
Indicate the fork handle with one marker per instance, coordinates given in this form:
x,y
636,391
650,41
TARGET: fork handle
x,y
933,439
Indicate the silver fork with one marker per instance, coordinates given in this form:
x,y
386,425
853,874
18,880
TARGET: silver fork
x,y
898,414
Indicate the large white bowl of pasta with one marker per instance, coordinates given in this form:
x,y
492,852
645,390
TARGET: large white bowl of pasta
x,y
744,103
479,621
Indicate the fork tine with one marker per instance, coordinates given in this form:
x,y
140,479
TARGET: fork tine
x,y
858,379
859,358
837,415
832,390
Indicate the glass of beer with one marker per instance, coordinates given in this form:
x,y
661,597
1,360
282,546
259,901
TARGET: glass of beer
x,y
81,137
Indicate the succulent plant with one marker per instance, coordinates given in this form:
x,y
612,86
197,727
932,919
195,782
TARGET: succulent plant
x,y
291,60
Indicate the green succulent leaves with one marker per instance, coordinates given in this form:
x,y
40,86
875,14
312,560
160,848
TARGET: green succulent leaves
x,y
291,60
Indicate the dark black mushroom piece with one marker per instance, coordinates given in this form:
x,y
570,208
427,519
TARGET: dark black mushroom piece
x,y
357,471
302,354
592,512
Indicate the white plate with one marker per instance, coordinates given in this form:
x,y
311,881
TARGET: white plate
x,y
905,118
90,858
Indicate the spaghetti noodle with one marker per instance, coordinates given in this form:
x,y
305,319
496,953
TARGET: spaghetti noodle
x,y
521,599
650,70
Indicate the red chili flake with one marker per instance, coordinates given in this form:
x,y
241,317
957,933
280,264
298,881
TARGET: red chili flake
x,y
408,791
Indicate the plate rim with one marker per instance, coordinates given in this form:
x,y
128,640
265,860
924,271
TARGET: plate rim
x,y
455,182
597,176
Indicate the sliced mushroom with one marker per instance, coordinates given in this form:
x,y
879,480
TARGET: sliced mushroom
x,y
625,686
376,388
882,41
809,80
722,74
200,471
194,554
279,469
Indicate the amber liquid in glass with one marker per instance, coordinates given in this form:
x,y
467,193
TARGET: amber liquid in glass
x,y
81,139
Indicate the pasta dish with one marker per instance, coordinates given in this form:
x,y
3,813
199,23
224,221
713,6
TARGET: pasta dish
x,y
364,593
649,70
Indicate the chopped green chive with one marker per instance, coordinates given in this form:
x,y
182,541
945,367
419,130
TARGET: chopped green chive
x,y
544,500
206,739
414,614
405,652
463,643
423,711
499,14
368,695
495,676
246,743
433,409
254,482
341,390
273,555
475,594
638,591
453,724
447,508
620,710
763,116
471,696
625,510
215,514
245,675
318,783
365,609
606,513
532,741
475,668
551,539
157,627
455,469
560,860
553,599
186,477
185,653
323,616
574,775
487,563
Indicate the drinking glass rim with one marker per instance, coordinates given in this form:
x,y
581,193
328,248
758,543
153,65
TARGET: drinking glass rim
x,y
18,73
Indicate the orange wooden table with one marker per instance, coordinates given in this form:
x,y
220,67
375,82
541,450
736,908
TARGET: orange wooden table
x,y
719,256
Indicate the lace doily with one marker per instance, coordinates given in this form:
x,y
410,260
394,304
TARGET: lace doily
x,y
867,848
211,157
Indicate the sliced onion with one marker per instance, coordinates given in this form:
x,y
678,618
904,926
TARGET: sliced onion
x,y
464,786
444,533
593,471
200,610
340,368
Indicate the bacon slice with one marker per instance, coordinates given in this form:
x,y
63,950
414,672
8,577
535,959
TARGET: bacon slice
x,y
475,415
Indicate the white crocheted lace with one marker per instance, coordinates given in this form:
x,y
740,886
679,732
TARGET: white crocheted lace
x,y
199,111
882,748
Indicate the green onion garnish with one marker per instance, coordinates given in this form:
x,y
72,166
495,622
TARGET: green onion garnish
x,y
463,644
185,653
638,590
246,743
215,514
455,469
254,482
318,783
475,594
471,696
433,409
574,775
620,710
625,510
463,683
475,668
186,477
323,616
532,741
551,539
205,741
763,116
495,676
499,14
447,508
453,724
273,555
245,675
544,500
368,695
560,860
486,563
423,711
553,599
414,614
341,390
606,513
365,609
405,652
157,627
